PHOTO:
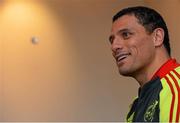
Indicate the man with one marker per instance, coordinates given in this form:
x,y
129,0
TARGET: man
x,y
140,45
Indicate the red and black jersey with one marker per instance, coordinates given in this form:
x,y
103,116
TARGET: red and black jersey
x,y
159,99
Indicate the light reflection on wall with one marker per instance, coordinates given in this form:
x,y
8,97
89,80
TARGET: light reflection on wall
x,y
33,76
24,13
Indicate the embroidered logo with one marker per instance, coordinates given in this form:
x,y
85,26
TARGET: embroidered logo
x,y
148,116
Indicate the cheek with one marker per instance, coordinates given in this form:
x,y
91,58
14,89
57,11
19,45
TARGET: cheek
x,y
143,49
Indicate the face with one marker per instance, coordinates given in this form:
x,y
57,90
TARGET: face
x,y
132,46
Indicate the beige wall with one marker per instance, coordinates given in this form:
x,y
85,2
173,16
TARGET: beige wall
x,y
70,74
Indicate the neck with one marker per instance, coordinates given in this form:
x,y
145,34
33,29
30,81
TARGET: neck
x,y
145,75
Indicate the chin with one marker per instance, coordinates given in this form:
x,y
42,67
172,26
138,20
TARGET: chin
x,y
125,72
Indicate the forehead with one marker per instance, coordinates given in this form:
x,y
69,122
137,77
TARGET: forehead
x,y
126,21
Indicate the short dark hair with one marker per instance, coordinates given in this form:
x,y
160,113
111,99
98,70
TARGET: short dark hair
x,y
149,18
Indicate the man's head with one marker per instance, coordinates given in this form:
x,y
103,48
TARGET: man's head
x,y
148,18
137,35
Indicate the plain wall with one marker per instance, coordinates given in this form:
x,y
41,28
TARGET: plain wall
x,y
70,74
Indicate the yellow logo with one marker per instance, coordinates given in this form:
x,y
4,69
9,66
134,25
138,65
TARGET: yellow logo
x,y
148,116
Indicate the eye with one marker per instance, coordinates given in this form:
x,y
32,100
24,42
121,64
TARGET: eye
x,y
126,35
111,38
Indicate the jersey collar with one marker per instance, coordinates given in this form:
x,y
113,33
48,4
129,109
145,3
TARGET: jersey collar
x,y
166,68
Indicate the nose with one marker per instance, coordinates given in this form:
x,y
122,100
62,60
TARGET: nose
x,y
117,44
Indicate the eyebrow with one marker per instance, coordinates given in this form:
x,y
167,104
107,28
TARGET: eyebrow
x,y
123,30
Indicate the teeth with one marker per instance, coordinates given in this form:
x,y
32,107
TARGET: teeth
x,y
122,56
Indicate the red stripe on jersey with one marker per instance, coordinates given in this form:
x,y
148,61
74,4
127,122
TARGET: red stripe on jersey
x,y
178,89
177,74
173,98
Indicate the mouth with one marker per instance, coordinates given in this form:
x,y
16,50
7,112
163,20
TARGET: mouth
x,y
121,56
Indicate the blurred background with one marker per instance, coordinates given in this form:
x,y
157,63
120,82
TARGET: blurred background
x,y
56,63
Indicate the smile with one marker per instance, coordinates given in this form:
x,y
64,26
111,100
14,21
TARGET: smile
x,y
121,57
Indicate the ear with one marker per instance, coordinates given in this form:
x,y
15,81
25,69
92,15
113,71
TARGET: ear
x,y
158,37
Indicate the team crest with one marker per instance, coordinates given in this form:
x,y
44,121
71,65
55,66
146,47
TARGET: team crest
x,y
148,116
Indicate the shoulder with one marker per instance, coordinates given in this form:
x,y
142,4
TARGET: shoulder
x,y
170,96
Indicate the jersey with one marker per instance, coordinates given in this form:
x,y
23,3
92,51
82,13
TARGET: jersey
x,y
159,99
